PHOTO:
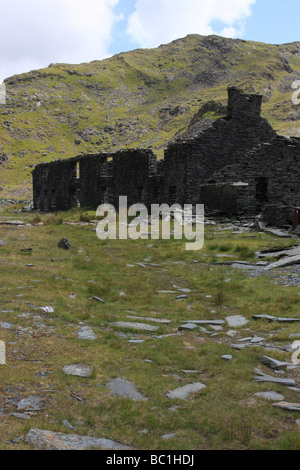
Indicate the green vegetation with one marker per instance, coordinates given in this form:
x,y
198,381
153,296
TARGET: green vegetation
x,y
225,415
141,98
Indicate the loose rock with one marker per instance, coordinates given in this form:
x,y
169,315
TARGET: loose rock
x,y
48,440
134,326
126,389
32,403
86,333
272,396
182,393
64,244
78,370
236,321
273,363
287,406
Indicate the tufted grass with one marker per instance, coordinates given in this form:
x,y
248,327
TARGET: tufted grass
x,y
224,415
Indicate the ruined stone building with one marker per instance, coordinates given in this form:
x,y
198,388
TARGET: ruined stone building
x,y
234,165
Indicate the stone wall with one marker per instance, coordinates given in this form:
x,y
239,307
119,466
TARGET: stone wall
x,y
188,164
267,179
91,180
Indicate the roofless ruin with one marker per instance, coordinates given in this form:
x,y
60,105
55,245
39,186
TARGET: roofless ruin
x,y
236,165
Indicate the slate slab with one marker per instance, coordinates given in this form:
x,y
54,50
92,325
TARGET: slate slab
x,y
238,346
187,326
277,380
12,222
277,232
284,262
168,436
207,322
125,389
236,321
48,440
271,396
154,320
227,357
188,371
78,370
270,318
273,363
6,325
287,406
166,292
134,326
182,393
257,339
21,415
32,403
86,333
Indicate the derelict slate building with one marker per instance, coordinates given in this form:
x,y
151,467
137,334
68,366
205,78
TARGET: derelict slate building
x,y
235,165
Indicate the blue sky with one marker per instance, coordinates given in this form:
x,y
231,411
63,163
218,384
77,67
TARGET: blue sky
x,y
274,21
35,33
271,21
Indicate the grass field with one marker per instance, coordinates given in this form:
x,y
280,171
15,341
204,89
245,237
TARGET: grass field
x,y
225,415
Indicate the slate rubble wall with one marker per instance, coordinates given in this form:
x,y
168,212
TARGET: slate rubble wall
x,y
265,181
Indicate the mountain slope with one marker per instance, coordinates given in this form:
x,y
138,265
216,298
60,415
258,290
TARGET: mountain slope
x,y
141,98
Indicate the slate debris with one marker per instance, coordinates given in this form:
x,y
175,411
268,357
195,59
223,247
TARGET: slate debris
x,y
78,370
187,326
86,333
68,425
125,389
151,319
287,406
227,357
236,321
98,299
270,395
183,393
273,363
32,403
134,326
278,380
271,319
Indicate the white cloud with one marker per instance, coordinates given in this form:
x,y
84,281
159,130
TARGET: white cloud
x,y
34,33
159,21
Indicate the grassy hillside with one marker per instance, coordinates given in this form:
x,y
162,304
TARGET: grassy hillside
x,y
141,98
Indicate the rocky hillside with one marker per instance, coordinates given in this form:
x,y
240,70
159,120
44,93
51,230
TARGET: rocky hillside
x,y
142,98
